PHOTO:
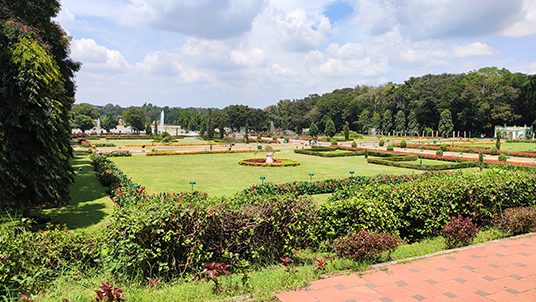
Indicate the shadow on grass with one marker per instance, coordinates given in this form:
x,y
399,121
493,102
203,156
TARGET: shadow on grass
x,y
90,204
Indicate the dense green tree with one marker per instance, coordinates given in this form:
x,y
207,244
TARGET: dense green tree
x,y
134,117
445,123
109,121
413,125
85,109
364,121
237,116
313,131
400,122
376,121
387,121
37,93
210,124
83,122
329,129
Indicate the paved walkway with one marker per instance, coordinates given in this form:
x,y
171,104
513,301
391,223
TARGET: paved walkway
x,y
503,270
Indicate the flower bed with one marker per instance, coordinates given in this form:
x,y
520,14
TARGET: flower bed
x,y
163,153
470,150
261,162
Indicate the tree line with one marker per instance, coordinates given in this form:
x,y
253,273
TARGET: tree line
x,y
469,102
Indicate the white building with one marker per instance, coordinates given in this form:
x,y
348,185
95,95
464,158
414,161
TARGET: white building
x,y
513,132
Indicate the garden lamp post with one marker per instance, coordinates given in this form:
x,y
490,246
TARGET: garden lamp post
x,y
192,183
352,173
262,178
311,174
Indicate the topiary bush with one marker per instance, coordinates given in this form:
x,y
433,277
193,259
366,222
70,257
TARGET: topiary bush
x,y
443,147
494,151
459,232
519,220
354,144
503,157
403,144
439,152
390,148
381,143
363,246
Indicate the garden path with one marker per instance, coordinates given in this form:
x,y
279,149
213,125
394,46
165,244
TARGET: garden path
x,y
502,270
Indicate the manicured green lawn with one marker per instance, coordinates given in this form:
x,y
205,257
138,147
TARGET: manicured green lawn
x,y
220,174
430,162
90,205
123,142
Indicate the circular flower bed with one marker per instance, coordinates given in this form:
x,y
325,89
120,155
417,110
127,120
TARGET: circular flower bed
x,y
261,162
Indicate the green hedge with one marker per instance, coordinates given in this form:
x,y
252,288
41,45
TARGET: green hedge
x,y
401,164
422,207
327,153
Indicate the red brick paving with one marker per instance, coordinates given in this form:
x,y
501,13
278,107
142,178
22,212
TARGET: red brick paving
x,y
503,270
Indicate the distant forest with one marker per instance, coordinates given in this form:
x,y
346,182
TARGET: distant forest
x,y
477,101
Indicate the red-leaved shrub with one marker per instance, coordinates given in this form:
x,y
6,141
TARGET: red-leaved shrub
x,y
518,220
363,246
459,232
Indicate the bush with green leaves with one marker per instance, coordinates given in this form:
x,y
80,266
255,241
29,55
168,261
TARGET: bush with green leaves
x,y
494,151
518,220
164,237
381,143
390,148
31,260
423,206
403,144
503,157
439,152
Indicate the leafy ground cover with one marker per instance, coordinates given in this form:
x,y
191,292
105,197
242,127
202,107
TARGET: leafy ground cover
x,y
222,175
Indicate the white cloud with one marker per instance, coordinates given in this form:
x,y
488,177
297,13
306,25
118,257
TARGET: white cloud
x,y
532,68
200,18
97,57
473,49
279,70
251,57
168,64
525,25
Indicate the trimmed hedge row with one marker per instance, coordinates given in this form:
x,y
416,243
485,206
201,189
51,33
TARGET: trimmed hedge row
x,y
421,208
326,153
399,162
458,148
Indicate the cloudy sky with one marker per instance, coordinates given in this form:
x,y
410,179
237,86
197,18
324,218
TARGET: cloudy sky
x,y
255,52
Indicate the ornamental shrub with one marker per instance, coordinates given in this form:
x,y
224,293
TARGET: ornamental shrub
x,y
459,232
390,148
354,144
443,147
518,220
363,246
403,144
439,152
494,151
162,237
503,157
30,260
381,143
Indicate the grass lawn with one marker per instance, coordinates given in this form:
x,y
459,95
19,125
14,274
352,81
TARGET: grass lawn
x,y
90,205
220,174
430,162
123,142
512,146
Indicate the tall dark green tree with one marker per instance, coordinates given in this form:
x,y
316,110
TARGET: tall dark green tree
x,y
400,122
445,123
346,131
329,129
313,130
387,121
37,93
413,125
376,121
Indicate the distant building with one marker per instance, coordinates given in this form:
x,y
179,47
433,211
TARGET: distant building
x,y
513,132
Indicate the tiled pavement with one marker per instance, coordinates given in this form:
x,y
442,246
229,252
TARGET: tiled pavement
x,y
503,270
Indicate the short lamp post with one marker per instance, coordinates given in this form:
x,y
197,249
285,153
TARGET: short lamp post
x,y
262,178
311,174
352,173
192,183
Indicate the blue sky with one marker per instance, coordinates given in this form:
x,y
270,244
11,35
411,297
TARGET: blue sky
x,y
256,52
